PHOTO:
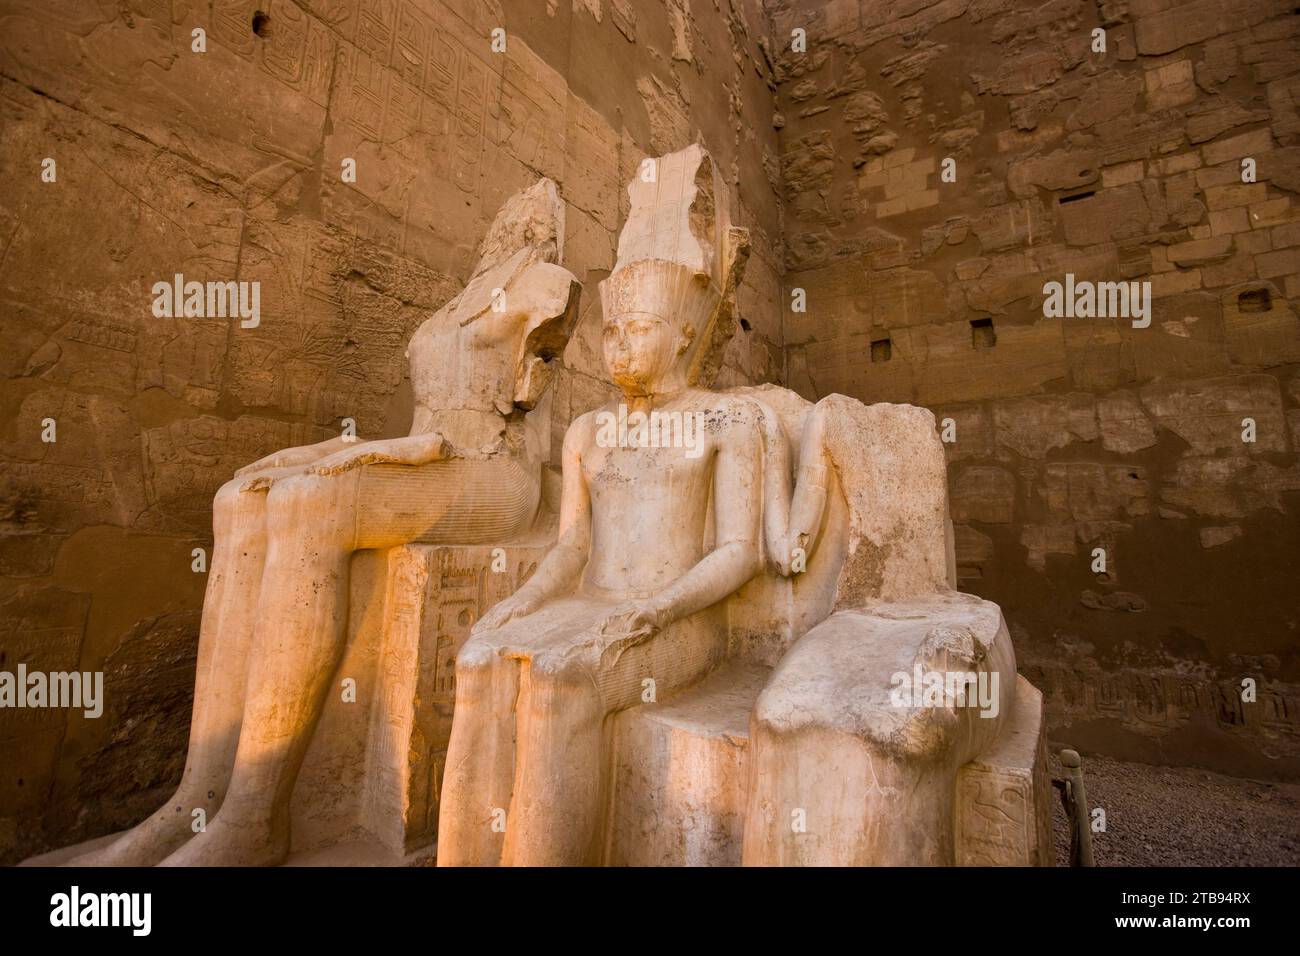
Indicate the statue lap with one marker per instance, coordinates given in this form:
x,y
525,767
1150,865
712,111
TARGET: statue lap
x,y
564,639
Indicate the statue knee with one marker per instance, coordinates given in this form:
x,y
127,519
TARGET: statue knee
x,y
304,507
551,667
555,674
229,500
475,661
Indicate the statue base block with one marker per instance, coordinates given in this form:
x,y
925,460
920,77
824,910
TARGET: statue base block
x,y
682,768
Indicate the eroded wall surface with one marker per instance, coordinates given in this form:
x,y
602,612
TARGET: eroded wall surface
x,y
228,164
1075,434
1070,434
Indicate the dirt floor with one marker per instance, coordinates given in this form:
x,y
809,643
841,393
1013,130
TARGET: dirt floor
x,y
1179,816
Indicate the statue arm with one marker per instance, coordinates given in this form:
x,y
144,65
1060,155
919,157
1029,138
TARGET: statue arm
x,y
809,499
737,509
408,450
735,558
295,457
559,570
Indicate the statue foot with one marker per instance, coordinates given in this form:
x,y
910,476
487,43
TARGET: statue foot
x,y
147,842
231,843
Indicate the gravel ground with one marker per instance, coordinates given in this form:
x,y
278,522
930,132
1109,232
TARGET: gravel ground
x,y
1180,816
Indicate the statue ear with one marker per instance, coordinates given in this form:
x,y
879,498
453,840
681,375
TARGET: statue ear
x,y
686,336
551,319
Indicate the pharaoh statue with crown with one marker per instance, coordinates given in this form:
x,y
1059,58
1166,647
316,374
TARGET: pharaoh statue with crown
x,y
744,645
630,593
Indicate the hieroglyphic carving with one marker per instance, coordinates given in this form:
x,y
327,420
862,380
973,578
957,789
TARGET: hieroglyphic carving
x,y
186,461
104,335
1003,810
993,819
414,85
298,50
434,596
332,341
44,641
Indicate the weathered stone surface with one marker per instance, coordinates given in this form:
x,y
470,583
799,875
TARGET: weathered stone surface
x,y
233,165
227,165
984,493
1185,93
1125,427
1033,427
1209,415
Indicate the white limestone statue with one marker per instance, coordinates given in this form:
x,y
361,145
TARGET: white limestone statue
x,y
807,548
660,519
275,612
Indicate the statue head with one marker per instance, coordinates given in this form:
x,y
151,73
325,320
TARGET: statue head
x,y
669,303
532,222
525,302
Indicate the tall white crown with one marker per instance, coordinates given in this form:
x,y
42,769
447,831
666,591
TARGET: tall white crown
x,y
678,255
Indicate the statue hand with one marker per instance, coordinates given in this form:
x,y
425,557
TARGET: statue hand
x,y
519,604
634,620
285,458
412,450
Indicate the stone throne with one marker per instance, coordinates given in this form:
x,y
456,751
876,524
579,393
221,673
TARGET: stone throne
x,y
792,745
792,752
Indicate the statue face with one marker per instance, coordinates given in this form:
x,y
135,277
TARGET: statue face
x,y
640,350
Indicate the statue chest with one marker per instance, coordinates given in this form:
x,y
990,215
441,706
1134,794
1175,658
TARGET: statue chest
x,y
668,480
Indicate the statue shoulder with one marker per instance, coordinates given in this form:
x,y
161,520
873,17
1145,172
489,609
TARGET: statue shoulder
x,y
581,430
736,411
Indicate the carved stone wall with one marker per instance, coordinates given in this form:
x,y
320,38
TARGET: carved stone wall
x,y
232,164
130,157
1072,434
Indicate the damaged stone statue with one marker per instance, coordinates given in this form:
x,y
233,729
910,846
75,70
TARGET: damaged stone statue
x,y
275,612
628,598
702,670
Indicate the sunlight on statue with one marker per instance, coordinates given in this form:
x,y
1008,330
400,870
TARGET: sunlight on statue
x,y
276,609
631,589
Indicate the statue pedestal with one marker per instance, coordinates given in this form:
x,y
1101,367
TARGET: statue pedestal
x,y
681,772
680,787
1004,796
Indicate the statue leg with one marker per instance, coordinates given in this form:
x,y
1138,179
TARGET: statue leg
x,y
559,771
480,758
493,669
553,772
528,752
229,605
567,692
299,628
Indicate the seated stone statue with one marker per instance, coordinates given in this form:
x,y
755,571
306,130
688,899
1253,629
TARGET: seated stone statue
x,y
660,519
813,539
829,736
275,612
